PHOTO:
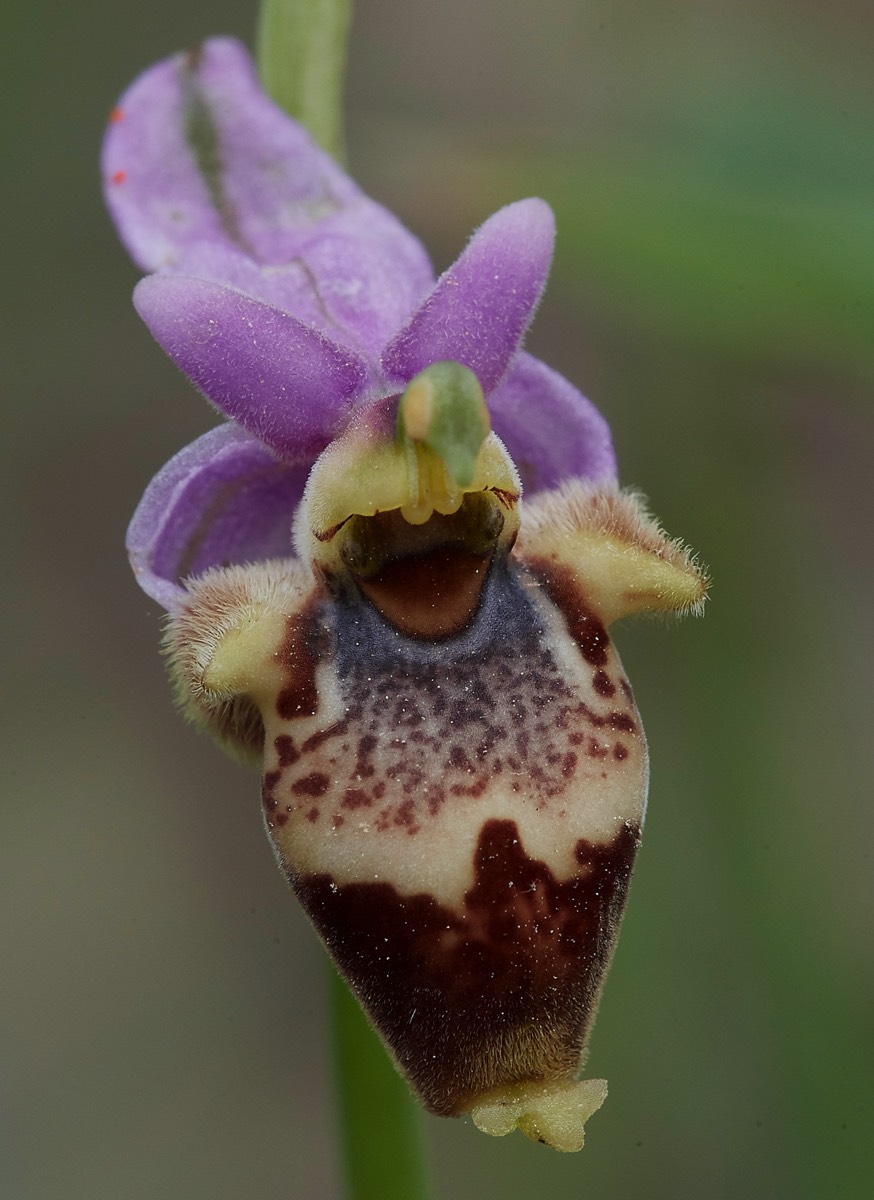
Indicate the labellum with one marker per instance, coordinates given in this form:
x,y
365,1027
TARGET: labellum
x,y
455,772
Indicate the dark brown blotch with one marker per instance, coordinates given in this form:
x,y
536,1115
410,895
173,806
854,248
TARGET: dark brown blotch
x,y
286,750
612,720
356,798
503,990
603,684
297,656
315,784
583,625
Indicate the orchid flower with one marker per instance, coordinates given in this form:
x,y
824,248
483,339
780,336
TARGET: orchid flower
x,y
454,769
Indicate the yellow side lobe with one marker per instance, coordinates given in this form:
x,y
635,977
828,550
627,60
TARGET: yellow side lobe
x,y
613,549
222,645
623,578
241,661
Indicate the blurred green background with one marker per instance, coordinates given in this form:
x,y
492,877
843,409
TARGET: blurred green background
x,y
162,1006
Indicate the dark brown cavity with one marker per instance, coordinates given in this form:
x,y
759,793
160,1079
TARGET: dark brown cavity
x,y
500,991
432,595
425,579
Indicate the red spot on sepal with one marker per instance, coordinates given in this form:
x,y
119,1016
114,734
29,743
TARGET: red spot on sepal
x,y
118,177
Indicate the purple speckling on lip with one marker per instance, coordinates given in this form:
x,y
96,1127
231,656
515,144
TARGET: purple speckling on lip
x,y
291,299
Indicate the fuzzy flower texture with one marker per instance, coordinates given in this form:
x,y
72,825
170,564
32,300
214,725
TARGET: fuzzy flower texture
x,y
454,770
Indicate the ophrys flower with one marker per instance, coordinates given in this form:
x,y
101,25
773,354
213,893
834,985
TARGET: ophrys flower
x,y
455,773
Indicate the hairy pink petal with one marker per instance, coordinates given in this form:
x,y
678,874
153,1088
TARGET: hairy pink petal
x,y
196,154
551,430
480,309
282,381
223,499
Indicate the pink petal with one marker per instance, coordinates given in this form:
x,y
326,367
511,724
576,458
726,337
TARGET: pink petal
x,y
480,309
196,153
550,429
223,499
282,381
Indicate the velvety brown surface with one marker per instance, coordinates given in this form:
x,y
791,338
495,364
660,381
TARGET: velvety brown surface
x,y
502,990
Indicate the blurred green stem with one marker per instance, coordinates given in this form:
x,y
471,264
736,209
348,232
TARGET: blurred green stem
x,y
301,52
380,1124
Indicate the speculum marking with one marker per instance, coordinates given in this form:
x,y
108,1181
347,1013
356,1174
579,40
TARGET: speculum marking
x,y
430,723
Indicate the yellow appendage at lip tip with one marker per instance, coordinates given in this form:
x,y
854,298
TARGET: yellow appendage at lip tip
x,y
552,1113
607,538
234,666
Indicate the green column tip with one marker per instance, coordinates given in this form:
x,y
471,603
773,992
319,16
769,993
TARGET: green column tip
x,y
443,408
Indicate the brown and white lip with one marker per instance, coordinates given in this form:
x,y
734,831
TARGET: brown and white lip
x,y
459,818
414,745
455,773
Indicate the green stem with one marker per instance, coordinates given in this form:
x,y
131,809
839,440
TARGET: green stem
x,y
380,1124
301,52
